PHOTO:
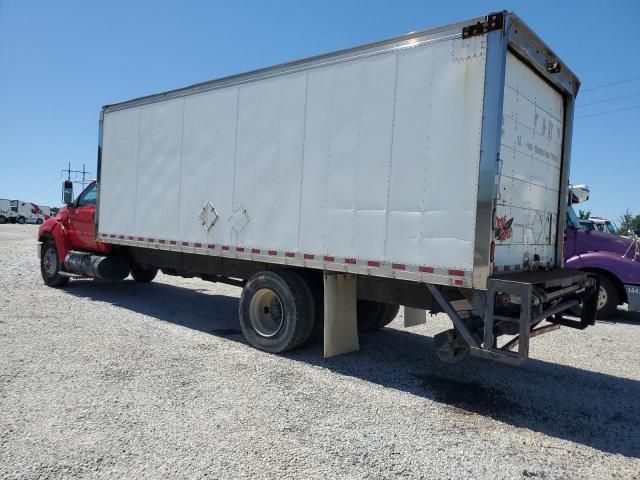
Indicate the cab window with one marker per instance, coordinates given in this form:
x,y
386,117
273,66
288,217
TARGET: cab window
x,y
88,197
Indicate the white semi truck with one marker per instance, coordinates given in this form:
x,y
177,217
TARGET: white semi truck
x,y
428,170
20,211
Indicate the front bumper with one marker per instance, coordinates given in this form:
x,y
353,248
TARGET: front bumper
x,y
633,297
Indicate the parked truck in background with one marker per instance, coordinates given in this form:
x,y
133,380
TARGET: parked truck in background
x,y
615,258
428,170
5,210
603,224
20,211
39,213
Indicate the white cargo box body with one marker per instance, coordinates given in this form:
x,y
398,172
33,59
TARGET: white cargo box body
x,y
385,160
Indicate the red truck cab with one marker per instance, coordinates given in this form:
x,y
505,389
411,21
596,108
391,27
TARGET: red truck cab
x,y
72,229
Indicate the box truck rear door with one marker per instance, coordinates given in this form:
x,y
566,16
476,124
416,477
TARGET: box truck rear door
x,y
529,172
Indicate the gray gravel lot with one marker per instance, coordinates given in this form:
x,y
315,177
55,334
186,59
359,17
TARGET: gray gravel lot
x,y
155,381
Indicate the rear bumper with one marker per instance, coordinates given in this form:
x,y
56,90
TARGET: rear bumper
x,y
633,297
543,295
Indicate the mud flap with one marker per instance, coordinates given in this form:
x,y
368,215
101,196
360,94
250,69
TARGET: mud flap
x,y
340,315
414,316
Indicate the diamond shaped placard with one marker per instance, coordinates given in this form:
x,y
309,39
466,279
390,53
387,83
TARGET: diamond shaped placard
x,y
208,215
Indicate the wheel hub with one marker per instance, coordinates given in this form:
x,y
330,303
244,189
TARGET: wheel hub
x,y
603,297
50,262
266,313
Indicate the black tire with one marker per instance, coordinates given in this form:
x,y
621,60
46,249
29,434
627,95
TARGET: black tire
x,y
3,219
21,220
608,300
143,273
315,282
277,311
50,266
39,221
375,315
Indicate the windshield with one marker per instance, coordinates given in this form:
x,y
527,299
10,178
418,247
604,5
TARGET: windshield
x,y
611,227
572,218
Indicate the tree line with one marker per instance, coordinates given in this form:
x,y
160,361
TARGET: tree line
x,y
629,224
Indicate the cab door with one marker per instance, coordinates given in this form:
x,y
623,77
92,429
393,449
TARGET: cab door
x,y
80,227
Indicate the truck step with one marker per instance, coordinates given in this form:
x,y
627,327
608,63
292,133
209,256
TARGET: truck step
x,y
71,275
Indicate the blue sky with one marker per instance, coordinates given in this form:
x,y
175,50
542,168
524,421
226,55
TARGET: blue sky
x,y
61,61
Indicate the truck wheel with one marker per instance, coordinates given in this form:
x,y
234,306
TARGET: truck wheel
x,y
374,315
143,273
608,299
39,221
21,220
50,266
277,311
3,219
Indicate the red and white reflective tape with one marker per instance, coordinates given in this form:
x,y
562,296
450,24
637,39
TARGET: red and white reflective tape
x,y
426,273
506,268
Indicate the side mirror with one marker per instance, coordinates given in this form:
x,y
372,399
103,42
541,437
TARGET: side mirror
x,y
67,192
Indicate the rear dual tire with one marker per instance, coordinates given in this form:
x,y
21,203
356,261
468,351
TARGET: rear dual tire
x,y
277,311
143,273
375,315
281,310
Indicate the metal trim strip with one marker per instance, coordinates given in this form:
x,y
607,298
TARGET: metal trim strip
x,y
422,273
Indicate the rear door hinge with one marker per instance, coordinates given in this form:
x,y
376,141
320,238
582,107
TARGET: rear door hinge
x,y
494,21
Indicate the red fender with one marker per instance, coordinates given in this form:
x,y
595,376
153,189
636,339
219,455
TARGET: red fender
x,y
54,227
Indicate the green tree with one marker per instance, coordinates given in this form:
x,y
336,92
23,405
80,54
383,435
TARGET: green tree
x,y
584,214
629,223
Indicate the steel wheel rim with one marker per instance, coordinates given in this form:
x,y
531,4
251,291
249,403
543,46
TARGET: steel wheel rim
x,y
603,297
50,262
266,313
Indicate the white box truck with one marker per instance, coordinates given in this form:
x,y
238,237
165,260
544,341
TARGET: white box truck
x,y
5,210
428,170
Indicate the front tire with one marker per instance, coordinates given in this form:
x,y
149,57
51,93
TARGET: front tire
x,y
143,273
39,221
21,220
50,266
608,300
277,311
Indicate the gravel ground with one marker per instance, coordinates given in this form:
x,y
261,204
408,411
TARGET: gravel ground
x,y
149,381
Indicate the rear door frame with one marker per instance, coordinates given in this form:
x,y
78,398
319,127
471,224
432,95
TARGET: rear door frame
x,y
516,37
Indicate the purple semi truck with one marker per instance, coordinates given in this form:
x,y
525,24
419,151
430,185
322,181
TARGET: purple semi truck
x,y
615,258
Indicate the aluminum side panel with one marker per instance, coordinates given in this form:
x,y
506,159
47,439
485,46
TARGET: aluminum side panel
x,y
208,157
375,159
269,156
119,171
436,148
159,169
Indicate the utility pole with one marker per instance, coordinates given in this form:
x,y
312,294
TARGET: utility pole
x,y
84,172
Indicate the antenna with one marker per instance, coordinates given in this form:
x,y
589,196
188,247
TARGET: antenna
x,y
76,173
